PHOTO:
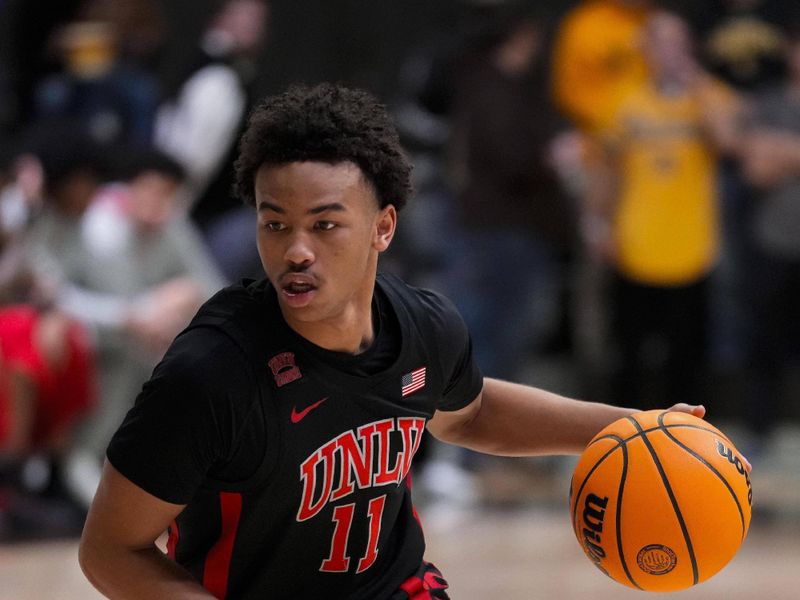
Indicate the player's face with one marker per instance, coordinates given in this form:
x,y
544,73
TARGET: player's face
x,y
320,230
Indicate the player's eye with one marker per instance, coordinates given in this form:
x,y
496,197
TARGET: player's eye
x,y
274,226
324,225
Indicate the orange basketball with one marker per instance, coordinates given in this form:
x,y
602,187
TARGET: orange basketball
x,y
660,501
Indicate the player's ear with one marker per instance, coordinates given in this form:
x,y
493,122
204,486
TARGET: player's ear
x,y
385,226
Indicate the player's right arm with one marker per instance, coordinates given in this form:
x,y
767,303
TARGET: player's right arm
x,y
118,553
183,423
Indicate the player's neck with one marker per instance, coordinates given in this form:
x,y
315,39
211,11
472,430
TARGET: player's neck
x,y
349,330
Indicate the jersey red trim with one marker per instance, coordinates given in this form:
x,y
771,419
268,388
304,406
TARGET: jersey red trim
x,y
415,589
419,585
172,540
218,559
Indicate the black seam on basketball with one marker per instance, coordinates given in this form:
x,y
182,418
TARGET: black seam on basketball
x,y
673,500
608,436
713,470
658,428
585,479
661,423
618,518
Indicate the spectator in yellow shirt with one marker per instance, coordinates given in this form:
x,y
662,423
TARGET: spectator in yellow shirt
x,y
652,215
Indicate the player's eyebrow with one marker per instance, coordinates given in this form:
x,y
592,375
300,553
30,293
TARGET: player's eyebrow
x,y
264,205
332,206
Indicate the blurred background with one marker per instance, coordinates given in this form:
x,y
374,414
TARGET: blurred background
x,y
609,190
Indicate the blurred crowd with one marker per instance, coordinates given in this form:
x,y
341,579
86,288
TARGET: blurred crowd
x,y
117,222
615,185
619,187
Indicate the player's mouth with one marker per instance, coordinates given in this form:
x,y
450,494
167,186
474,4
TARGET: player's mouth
x,y
298,290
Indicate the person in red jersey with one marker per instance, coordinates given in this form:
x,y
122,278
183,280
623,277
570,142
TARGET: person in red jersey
x,y
275,439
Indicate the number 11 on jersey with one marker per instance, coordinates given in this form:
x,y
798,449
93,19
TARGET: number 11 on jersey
x,y
338,561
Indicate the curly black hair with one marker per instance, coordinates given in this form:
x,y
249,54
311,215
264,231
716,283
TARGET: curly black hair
x,y
327,123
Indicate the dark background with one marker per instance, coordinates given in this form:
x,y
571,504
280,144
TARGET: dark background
x,y
364,43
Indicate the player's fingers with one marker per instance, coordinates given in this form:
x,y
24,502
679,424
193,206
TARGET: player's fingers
x,y
747,464
696,410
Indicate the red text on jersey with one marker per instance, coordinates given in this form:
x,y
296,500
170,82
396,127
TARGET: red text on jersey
x,y
364,457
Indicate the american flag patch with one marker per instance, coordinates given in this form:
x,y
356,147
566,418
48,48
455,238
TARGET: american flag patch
x,y
413,381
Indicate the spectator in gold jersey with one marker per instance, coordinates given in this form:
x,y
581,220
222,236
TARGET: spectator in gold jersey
x,y
652,216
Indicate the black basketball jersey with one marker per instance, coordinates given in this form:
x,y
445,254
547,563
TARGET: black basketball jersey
x,y
295,472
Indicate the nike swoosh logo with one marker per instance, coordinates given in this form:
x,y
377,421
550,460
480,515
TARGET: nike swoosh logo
x,y
299,416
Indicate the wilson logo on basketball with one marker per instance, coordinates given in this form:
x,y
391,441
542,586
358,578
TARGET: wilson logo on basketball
x,y
594,512
656,559
726,452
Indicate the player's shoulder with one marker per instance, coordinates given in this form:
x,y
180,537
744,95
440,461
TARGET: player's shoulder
x,y
233,299
199,354
427,306
238,310
217,336
394,286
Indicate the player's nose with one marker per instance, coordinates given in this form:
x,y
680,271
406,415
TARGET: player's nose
x,y
299,250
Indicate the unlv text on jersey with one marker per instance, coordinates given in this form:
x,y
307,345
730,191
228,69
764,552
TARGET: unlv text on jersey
x,y
362,458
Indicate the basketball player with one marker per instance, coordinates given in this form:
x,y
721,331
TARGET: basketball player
x,y
275,439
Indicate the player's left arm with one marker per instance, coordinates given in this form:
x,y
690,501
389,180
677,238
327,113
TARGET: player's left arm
x,y
510,419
